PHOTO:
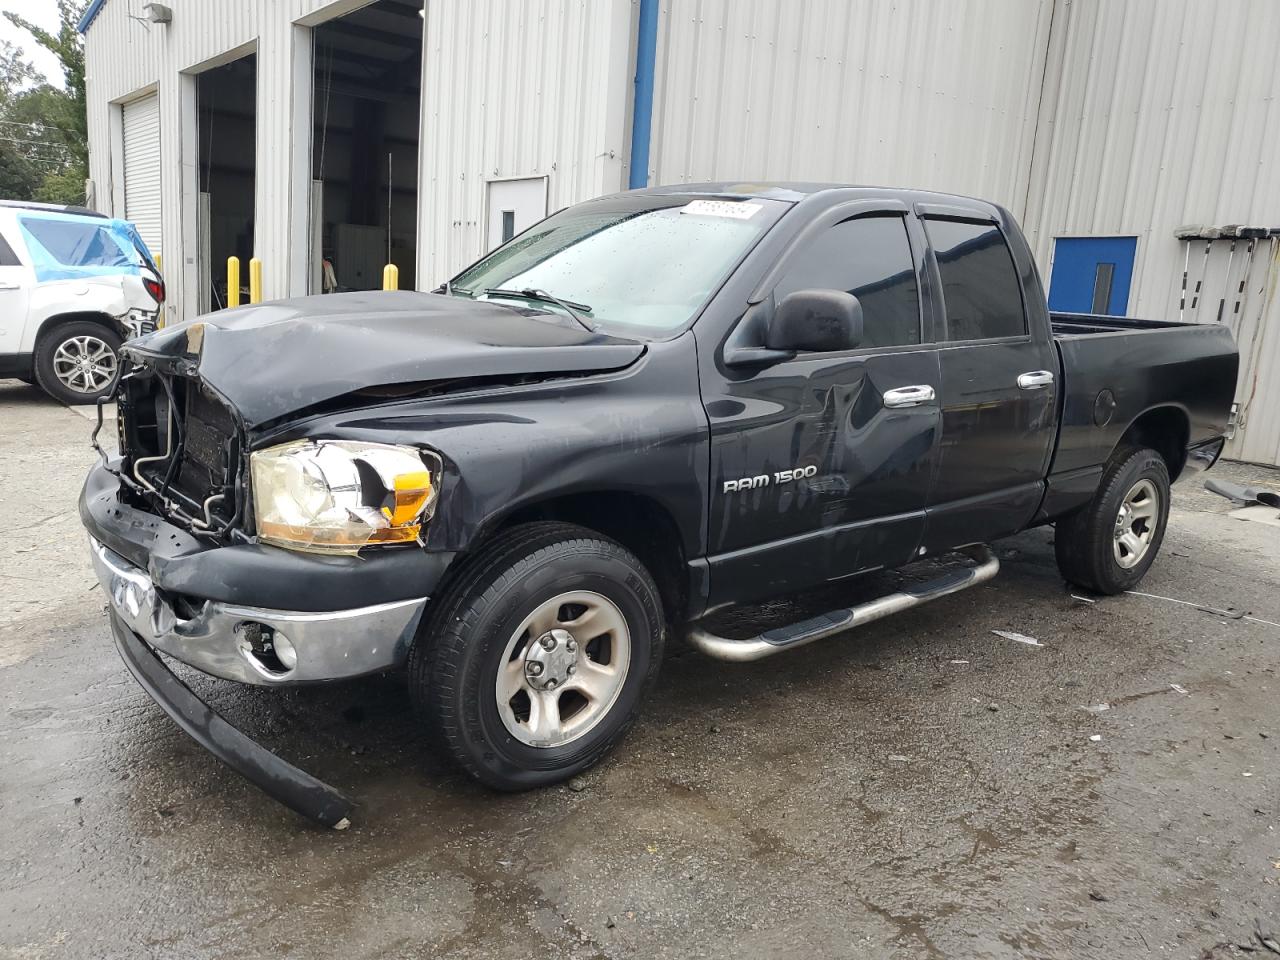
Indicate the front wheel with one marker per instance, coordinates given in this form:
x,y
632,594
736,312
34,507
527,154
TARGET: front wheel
x,y
1109,544
535,660
78,362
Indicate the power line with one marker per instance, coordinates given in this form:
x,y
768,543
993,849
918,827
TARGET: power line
x,y
43,143
40,124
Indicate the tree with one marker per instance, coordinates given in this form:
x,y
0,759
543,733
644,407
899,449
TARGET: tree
x,y
19,177
14,72
52,123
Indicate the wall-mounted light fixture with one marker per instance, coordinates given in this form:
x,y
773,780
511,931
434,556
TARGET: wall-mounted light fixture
x,y
157,12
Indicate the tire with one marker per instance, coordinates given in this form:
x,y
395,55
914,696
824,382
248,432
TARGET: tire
x,y
57,350
476,638
1088,544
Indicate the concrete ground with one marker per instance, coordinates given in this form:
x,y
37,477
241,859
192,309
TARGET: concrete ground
x,y
923,788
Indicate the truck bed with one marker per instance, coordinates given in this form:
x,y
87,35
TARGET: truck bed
x,y
1135,366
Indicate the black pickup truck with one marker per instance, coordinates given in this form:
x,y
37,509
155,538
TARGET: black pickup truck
x,y
643,409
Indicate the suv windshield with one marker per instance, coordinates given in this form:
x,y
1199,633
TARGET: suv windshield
x,y
644,264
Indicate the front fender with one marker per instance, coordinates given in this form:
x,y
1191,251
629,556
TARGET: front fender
x,y
639,431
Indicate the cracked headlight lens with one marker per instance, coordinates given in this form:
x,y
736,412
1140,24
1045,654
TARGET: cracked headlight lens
x,y
336,496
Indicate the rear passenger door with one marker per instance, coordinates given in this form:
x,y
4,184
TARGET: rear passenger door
x,y
998,393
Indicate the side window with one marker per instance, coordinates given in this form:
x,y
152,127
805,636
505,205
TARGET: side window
x,y
76,243
7,257
869,257
979,281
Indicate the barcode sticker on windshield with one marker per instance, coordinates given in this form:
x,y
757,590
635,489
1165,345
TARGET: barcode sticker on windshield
x,y
722,208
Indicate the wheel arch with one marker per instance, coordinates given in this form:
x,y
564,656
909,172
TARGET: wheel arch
x,y
1166,429
54,321
638,522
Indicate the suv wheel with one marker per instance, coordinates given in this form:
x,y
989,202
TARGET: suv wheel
x,y
78,362
1108,545
535,661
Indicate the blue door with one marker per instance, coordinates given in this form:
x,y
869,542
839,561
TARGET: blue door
x,y
1092,274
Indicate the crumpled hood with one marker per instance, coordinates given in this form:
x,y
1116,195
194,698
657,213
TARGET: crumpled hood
x,y
273,359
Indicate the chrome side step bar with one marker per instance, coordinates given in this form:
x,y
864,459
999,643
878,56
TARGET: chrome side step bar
x,y
837,621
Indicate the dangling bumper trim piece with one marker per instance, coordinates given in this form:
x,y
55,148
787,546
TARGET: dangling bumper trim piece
x,y
280,780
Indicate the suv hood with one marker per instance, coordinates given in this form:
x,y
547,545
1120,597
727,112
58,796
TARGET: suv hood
x,y
279,358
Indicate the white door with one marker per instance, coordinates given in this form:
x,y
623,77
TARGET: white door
x,y
514,206
15,290
142,168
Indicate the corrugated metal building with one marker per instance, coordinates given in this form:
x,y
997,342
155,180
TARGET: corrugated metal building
x,y
1105,125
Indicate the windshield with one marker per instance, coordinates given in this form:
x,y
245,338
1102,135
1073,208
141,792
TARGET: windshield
x,y
645,263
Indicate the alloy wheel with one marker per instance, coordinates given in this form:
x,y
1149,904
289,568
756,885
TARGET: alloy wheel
x,y
1136,523
563,668
84,364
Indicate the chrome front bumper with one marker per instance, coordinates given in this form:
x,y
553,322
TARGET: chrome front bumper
x,y
224,640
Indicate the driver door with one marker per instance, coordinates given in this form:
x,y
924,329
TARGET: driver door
x,y
821,465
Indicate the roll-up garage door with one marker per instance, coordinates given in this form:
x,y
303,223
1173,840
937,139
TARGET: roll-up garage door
x,y
142,168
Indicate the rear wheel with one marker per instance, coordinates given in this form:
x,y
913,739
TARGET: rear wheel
x,y
536,659
78,362
1108,545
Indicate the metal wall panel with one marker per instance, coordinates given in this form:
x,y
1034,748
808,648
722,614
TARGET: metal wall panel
x,y
909,93
514,89
1159,113
124,56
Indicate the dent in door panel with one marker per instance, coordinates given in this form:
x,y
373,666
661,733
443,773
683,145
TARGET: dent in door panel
x,y
863,505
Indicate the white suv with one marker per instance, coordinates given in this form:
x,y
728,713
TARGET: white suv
x,y
74,285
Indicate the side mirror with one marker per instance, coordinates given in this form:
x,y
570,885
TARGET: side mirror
x,y
816,321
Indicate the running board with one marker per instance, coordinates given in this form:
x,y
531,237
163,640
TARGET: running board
x,y
837,621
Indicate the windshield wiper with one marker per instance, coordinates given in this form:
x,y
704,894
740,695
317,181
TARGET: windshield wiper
x,y
575,310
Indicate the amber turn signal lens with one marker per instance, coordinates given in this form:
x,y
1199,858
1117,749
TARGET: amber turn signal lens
x,y
412,491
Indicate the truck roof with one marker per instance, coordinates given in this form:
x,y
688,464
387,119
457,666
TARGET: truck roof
x,y
795,192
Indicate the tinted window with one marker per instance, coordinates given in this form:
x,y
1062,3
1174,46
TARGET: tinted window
x,y
7,257
979,282
870,258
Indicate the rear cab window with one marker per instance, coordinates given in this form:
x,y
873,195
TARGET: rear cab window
x,y
980,287
869,257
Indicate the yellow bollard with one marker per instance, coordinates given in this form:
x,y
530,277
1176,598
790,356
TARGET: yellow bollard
x,y
233,281
390,277
159,258
255,280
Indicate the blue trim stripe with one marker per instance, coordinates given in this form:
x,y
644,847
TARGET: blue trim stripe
x,y
642,112
90,12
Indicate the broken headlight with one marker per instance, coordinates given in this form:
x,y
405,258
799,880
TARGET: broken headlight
x,y
336,496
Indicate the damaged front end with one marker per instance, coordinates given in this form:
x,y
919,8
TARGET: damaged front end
x,y
183,451
177,494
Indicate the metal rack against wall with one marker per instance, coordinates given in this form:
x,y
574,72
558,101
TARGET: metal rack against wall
x,y
1229,276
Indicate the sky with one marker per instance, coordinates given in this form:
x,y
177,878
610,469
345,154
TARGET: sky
x,y
44,13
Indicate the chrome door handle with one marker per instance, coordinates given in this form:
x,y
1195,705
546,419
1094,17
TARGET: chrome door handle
x,y
6,285
909,396
1035,379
